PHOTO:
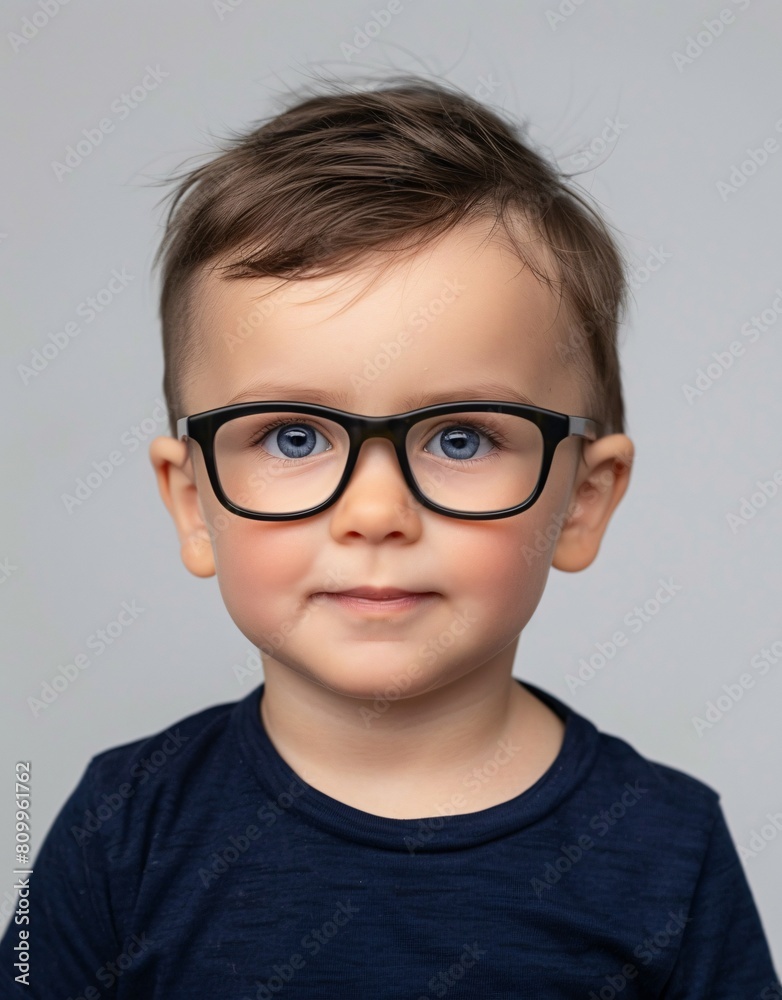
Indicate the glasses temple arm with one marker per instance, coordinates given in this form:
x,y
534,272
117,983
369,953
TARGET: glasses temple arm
x,y
584,427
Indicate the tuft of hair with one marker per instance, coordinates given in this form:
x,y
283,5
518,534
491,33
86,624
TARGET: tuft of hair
x,y
344,174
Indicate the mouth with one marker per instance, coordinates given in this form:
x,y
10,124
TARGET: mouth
x,y
379,593
383,599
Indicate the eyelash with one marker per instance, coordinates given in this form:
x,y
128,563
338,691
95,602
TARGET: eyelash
x,y
281,422
498,440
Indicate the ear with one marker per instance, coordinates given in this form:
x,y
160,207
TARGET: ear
x,y
176,483
601,481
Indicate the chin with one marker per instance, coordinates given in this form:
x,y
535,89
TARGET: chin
x,y
374,687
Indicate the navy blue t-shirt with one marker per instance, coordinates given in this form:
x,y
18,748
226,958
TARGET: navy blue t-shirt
x,y
196,864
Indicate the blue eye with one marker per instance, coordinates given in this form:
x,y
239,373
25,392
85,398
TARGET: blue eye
x,y
462,441
292,440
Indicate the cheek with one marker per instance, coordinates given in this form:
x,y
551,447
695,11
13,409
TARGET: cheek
x,y
261,568
498,565
504,564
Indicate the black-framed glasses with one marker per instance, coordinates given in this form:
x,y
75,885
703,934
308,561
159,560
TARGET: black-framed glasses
x,y
476,459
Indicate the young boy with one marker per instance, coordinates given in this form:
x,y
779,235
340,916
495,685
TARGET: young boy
x,y
395,402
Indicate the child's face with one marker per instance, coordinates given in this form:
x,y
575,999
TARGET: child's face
x,y
471,313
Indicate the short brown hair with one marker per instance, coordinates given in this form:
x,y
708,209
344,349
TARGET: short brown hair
x,y
339,174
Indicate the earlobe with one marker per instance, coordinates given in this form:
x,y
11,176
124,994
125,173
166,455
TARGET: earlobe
x,y
178,490
600,484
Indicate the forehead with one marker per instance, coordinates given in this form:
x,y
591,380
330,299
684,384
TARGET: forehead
x,y
457,318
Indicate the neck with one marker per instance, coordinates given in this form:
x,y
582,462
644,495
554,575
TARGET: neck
x,y
407,751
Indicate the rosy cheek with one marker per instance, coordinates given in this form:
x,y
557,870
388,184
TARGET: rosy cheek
x,y
256,562
507,561
483,564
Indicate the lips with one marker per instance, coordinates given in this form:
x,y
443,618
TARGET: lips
x,y
379,593
377,603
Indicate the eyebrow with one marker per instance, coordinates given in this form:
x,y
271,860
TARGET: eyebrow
x,y
480,389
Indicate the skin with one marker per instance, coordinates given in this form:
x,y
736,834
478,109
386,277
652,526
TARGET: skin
x,y
413,757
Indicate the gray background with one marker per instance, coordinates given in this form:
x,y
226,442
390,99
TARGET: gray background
x,y
684,130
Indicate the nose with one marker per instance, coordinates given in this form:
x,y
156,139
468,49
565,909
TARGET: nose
x,y
377,467
376,498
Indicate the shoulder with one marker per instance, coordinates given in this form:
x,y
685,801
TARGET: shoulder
x,y
161,779
179,738
650,818
623,796
678,797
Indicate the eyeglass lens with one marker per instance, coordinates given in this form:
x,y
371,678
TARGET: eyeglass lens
x,y
286,462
